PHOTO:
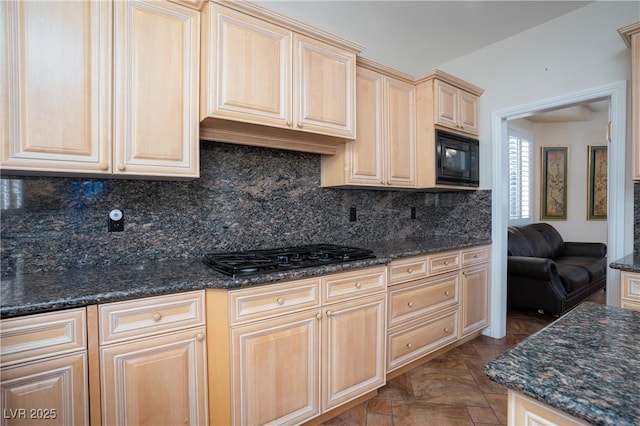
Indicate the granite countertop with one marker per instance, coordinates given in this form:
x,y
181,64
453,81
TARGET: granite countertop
x,y
50,291
630,263
587,364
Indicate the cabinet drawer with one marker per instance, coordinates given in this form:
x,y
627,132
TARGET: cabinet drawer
x,y
150,316
353,283
404,270
444,262
276,299
475,255
630,286
414,341
42,335
416,299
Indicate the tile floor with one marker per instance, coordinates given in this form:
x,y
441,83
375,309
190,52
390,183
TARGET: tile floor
x,y
452,388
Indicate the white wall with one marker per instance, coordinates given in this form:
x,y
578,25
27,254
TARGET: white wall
x,y
577,135
574,52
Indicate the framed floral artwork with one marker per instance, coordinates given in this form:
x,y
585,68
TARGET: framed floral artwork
x,y
597,183
553,187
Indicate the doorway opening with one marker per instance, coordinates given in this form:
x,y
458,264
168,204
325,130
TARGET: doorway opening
x,y
618,194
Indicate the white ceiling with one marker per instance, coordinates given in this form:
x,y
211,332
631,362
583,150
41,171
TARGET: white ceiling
x,y
417,36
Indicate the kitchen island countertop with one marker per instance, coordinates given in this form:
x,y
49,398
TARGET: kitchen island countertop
x,y
25,294
629,263
587,364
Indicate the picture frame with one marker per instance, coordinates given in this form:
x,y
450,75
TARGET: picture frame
x,y
597,182
553,185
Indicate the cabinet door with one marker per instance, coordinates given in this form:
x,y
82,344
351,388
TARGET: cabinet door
x,y
46,392
475,299
155,381
400,133
249,61
468,112
55,80
446,108
353,342
324,90
157,58
365,154
276,367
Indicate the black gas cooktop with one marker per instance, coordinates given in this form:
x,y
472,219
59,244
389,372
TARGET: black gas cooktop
x,y
243,263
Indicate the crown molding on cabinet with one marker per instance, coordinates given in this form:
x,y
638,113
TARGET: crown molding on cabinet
x,y
448,78
262,13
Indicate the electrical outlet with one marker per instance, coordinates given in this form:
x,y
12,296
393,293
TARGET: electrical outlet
x,y
352,214
413,212
116,221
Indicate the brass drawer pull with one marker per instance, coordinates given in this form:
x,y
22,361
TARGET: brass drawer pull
x,y
358,285
446,330
410,304
446,293
157,316
199,337
409,270
280,300
409,345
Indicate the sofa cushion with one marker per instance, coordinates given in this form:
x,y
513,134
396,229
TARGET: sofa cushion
x,y
573,277
538,244
596,267
552,237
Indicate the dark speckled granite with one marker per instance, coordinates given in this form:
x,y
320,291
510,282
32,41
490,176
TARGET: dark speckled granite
x,y
587,364
246,198
630,263
49,291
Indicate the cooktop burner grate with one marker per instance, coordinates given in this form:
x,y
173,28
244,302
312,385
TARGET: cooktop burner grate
x,y
245,263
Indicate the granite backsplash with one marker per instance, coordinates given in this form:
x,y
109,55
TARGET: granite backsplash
x,y
246,198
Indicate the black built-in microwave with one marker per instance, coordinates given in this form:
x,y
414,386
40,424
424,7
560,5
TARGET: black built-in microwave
x,y
457,159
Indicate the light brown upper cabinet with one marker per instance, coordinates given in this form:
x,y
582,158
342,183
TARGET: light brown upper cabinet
x,y
447,102
631,36
384,153
104,87
263,72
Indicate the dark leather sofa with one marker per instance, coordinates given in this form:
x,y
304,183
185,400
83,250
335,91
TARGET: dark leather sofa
x,y
546,273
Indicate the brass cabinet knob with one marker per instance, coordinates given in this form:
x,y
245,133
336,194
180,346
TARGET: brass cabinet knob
x,y
157,316
446,262
199,337
358,285
299,125
329,313
446,330
409,270
446,293
121,167
280,300
104,166
409,345
319,315
410,304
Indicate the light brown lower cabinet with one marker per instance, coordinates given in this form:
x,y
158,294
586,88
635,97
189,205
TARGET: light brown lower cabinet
x,y
525,411
153,361
320,344
475,295
43,374
435,301
276,370
630,290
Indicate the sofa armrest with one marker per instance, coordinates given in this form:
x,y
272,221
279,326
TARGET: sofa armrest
x,y
538,268
585,249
